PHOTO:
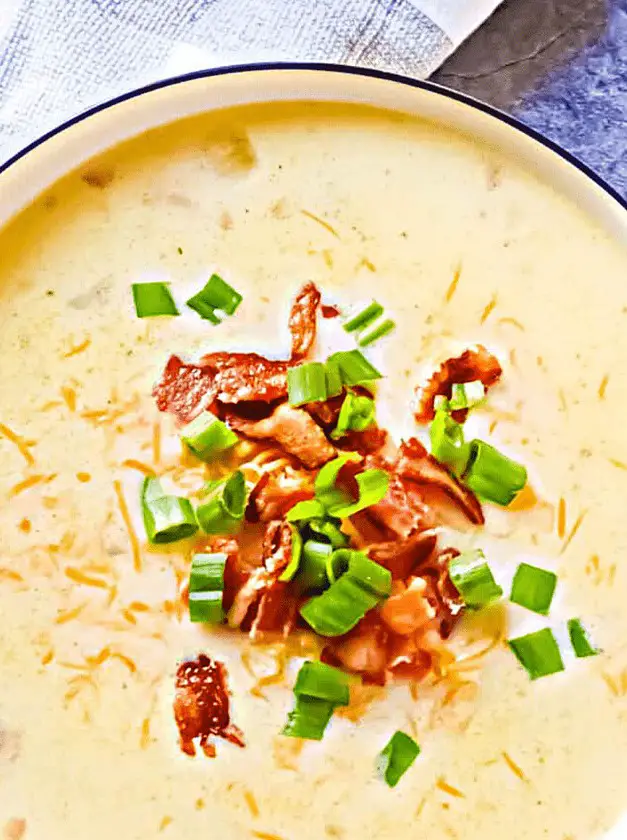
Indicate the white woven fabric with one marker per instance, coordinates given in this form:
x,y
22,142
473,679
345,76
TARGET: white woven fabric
x,y
58,57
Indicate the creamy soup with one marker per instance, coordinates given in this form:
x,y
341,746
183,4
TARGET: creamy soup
x,y
461,247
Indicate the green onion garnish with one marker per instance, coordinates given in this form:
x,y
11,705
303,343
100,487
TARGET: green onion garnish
x,y
297,549
153,299
215,295
166,518
396,758
466,395
315,679
357,413
306,383
319,690
224,512
372,486
533,588
364,318
327,494
473,579
354,367
333,377
206,583
493,476
308,509
376,333
208,437
349,598
312,574
538,653
579,639
329,530
447,442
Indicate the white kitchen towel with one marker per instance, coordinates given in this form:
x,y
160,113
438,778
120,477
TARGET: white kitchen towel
x,y
59,57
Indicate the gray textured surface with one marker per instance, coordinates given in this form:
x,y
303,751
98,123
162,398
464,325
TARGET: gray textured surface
x,y
561,67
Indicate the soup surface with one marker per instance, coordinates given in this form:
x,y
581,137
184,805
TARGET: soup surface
x,y
460,246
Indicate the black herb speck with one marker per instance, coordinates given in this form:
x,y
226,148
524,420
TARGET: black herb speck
x,y
180,250
50,292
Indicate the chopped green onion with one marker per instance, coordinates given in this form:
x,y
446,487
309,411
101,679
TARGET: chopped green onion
x,y
333,378
315,679
372,486
306,383
447,442
308,509
466,395
396,758
327,494
538,653
166,518
207,436
224,512
354,368
215,295
357,413
473,579
364,318
308,719
312,574
493,476
350,597
370,575
153,299
579,639
329,530
206,583
297,549
533,588
376,333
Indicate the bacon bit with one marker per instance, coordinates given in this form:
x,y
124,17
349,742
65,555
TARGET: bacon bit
x,y
128,524
471,365
201,705
14,829
144,469
69,615
513,322
69,397
251,802
31,481
448,297
514,767
329,311
165,822
302,321
603,386
25,526
321,222
125,660
47,658
573,531
79,348
561,517
620,465
364,262
407,610
21,444
446,788
79,576
488,310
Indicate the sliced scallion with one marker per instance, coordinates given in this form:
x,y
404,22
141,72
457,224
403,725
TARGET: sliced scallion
x,y
306,383
364,318
370,336
581,644
153,299
166,518
312,575
307,509
333,378
223,513
327,494
316,679
215,295
206,584
372,486
308,719
356,414
493,476
533,588
329,530
538,653
354,368
447,442
473,579
297,549
208,437
396,758
466,395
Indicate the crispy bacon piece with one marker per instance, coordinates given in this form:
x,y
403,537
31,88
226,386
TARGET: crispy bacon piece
x,y
240,377
302,321
201,705
407,610
414,464
362,650
402,510
183,388
442,593
294,430
329,311
404,557
274,494
473,364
